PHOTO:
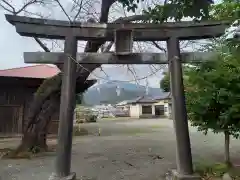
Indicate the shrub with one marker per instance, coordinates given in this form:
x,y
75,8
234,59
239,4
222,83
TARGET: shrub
x,y
90,118
84,115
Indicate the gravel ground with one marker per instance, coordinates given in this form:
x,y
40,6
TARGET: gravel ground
x,y
135,149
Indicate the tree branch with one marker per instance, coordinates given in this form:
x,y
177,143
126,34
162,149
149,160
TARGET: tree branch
x,y
42,45
159,47
13,9
45,48
63,10
28,4
79,10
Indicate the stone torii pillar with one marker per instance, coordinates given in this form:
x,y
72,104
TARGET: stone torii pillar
x,y
183,146
67,106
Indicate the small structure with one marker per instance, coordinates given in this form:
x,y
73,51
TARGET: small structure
x,y
17,88
150,107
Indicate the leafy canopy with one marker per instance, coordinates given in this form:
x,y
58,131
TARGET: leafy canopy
x,y
165,82
197,9
212,94
226,10
173,9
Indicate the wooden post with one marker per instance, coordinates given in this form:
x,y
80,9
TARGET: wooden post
x,y
184,156
67,106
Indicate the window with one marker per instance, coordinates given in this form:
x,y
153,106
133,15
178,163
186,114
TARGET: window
x,y
146,109
159,110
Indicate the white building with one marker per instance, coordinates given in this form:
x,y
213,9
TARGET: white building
x,y
147,107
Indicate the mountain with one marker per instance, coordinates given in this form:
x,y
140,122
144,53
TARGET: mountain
x,y
105,93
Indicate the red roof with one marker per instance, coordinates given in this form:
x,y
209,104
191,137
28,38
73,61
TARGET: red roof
x,y
37,71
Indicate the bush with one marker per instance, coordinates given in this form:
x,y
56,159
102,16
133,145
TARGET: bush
x,y
90,118
84,115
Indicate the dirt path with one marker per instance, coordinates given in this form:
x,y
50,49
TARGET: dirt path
x,y
133,150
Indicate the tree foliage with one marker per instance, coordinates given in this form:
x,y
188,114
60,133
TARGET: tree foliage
x,y
165,82
173,9
226,10
213,95
178,9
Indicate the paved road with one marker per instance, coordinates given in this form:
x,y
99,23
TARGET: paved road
x,y
136,150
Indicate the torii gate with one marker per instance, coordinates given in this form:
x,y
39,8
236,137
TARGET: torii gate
x,y
123,35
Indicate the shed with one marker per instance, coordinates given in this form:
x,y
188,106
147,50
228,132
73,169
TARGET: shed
x,y
17,87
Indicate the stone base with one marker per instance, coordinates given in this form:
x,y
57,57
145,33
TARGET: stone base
x,y
71,176
174,175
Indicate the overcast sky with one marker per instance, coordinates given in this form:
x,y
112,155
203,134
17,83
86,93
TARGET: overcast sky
x,y
13,45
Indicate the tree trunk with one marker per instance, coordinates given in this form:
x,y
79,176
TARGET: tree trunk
x,y
227,149
34,138
46,102
40,114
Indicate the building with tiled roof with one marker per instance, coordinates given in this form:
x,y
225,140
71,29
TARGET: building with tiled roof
x,y
148,106
36,71
17,87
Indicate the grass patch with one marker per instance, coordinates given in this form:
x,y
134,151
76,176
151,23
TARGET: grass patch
x,y
115,118
8,153
155,126
135,131
80,131
212,171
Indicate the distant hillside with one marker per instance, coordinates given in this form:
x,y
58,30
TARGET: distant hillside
x,y
108,93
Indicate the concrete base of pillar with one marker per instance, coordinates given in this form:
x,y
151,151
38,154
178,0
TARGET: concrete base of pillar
x,y
174,175
71,176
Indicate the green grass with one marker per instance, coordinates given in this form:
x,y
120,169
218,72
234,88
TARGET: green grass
x,y
155,126
80,131
217,170
135,131
115,118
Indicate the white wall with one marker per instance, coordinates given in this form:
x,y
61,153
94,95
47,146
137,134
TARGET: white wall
x,y
153,110
135,110
169,112
166,109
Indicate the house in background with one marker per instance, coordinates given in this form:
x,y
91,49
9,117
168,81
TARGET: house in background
x,y
150,107
163,102
18,86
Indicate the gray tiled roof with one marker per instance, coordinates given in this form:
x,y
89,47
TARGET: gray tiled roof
x,y
149,99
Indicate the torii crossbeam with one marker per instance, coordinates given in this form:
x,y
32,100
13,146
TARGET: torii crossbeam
x,y
113,58
123,35
55,29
